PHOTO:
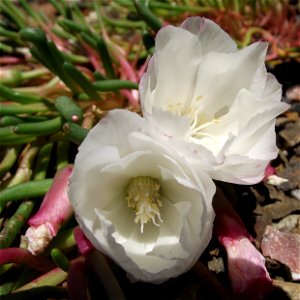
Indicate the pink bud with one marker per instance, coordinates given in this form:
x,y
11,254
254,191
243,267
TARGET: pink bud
x,y
54,211
269,171
246,265
84,245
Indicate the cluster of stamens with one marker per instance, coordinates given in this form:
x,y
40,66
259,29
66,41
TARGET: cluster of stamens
x,y
143,195
197,120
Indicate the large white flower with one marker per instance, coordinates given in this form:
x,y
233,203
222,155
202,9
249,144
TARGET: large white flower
x,y
138,202
216,104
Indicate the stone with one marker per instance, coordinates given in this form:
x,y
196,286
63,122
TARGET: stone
x,y
284,247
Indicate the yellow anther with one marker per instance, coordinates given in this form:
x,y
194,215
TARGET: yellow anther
x,y
198,121
143,195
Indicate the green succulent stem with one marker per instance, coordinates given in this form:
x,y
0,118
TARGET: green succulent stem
x,y
41,292
52,278
74,132
60,259
69,109
114,85
14,225
42,162
30,189
17,77
147,15
39,128
9,159
16,109
7,93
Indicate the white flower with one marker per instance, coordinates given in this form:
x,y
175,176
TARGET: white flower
x,y
216,104
138,202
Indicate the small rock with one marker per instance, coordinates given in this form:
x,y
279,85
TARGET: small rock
x,y
216,265
297,150
296,194
214,252
283,154
295,107
291,134
279,209
262,219
284,247
292,289
295,160
293,93
276,180
292,116
288,223
292,174
281,121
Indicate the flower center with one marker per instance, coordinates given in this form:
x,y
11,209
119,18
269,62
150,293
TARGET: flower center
x,y
197,119
143,196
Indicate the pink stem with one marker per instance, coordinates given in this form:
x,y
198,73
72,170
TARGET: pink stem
x,y
143,68
10,60
76,280
60,44
22,256
98,261
126,68
93,56
131,98
86,71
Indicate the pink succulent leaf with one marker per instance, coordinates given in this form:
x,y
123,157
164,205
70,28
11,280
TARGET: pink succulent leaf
x,y
246,265
247,271
56,207
228,224
22,256
54,211
84,245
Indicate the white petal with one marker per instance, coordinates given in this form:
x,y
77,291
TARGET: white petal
x,y
272,89
168,244
112,130
147,85
167,124
255,117
172,64
86,171
240,170
139,244
247,115
217,83
211,36
264,143
259,81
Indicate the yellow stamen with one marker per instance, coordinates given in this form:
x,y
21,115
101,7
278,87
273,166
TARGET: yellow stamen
x,y
197,120
143,195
